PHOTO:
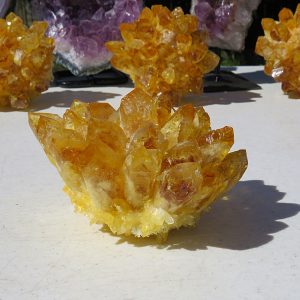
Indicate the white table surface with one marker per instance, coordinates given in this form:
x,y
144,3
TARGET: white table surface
x,y
244,248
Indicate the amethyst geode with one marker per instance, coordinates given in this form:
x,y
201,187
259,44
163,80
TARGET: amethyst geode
x,y
82,27
215,16
227,21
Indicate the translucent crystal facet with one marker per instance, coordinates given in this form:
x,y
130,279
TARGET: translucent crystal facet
x,y
163,52
25,61
280,49
125,170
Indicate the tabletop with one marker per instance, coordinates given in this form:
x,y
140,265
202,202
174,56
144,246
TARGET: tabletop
x,y
246,247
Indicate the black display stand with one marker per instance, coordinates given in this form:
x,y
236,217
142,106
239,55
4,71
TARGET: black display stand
x,y
226,81
108,77
217,81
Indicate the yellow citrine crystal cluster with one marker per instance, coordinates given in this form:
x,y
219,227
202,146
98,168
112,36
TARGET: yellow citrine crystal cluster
x,y
163,52
145,169
25,61
281,49
131,171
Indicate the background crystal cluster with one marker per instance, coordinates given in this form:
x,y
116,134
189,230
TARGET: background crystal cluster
x,y
26,57
163,52
81,28
280,47
227,21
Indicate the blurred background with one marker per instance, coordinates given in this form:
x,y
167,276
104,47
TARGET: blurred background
x,y
266,9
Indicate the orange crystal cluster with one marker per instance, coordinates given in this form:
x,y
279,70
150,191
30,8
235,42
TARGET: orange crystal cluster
x,y
163,52
25,61
135,172
281,49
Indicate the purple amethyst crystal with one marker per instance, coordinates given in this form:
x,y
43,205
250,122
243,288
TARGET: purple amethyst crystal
x,y
215,15
81,29
227,21
4,6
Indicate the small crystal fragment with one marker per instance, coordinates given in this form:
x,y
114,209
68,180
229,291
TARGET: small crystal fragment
x,y
280,49
25,61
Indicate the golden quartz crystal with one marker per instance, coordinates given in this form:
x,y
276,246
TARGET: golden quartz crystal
x,y
163,52
25,61
280,47
142,169
126,170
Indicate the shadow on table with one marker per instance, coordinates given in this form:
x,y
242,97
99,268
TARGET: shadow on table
x,y
246,220
222,98
258,77
63,99
66,97
128,84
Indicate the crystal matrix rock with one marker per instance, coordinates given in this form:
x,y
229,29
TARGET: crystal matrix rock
x,y
25,61
80,29
227,21
139,177
163,52
280,48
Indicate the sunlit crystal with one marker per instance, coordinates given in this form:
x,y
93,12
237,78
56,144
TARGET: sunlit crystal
x,y
163,52
25,61
139,177
280,48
